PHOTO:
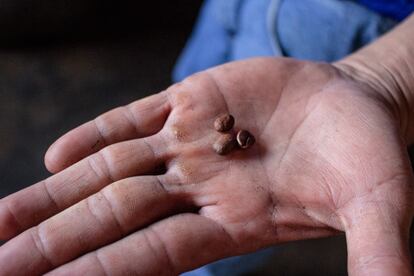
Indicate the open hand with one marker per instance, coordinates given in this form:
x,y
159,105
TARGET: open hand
x,y
330,156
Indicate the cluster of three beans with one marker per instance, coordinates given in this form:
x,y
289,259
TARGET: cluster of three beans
x,y
228,141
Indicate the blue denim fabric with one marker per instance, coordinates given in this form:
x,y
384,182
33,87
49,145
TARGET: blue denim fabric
x,y
227,30
329,32
324,30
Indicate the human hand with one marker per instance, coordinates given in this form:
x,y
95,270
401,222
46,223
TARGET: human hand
x,y
330,156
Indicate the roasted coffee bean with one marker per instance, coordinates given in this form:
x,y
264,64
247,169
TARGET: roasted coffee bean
x,y
224,123
225,144
245,139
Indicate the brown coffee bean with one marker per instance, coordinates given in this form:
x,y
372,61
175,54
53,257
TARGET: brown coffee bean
x,y
245,139
225,144
224,123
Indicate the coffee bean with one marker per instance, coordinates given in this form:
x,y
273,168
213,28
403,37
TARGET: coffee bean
x,y
245,139
224,123
225,144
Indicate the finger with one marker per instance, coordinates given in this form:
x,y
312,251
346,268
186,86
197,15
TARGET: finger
x,y
96,221
169,247
138,119
378,244
40,201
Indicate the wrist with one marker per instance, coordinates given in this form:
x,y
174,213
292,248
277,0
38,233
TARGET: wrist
x,y
387,66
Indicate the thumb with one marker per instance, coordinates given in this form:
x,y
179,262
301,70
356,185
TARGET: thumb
x,y
377,241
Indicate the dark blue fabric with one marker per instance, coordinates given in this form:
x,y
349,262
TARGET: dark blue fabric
x,y
396,9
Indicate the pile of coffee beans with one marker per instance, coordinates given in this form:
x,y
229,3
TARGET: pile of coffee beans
x,y
230,140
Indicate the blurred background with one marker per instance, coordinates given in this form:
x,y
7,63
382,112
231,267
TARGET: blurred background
x,y
65,62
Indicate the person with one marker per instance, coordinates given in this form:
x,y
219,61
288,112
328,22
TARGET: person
x,y
139,190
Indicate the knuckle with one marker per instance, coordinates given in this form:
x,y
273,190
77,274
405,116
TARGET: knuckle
x,y
100,124
101,263
111,198
113,192
100,164
151,148
110,158
109,154
160,251
101,207
9,224
43,243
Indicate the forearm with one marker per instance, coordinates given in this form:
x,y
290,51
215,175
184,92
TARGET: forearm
x,y
388,66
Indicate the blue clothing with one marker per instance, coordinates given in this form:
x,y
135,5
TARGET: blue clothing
x,y
329,32
396,9
321,30
241,265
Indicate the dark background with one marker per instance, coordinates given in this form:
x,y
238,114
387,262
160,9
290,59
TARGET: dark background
x,y
65,62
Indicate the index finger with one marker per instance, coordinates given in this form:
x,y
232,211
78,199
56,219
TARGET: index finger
x,y
139,119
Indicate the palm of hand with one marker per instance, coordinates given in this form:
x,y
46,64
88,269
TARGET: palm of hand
x,y
328,158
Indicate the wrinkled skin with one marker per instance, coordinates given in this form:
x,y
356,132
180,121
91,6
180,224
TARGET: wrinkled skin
x,y
330,156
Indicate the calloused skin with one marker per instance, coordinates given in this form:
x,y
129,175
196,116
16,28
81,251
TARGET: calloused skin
x,y
330,157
